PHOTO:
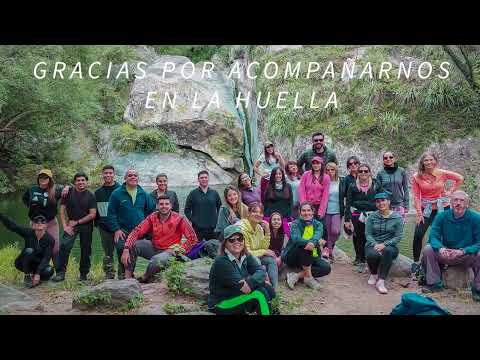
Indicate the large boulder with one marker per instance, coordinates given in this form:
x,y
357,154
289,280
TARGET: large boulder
x,y
197,277
401,267
457,277
182,168
195,120
108,293
14,301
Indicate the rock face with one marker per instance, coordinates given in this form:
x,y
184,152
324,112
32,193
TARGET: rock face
x,y
401,267
196,276
13,301
182,168
457,277
203,116
110,292
152,309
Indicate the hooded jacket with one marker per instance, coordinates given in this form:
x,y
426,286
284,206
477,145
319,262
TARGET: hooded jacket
x,y
380,230
395,182
451,233
296,235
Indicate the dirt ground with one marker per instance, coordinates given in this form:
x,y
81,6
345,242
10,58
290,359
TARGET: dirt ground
x,y
343,292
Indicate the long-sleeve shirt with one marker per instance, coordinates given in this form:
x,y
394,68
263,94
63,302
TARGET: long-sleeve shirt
x,y
251,195
297,229
312,190
462,233
42,247
294,184
395,181
423,189
256,240
279,203
164,234
201,208
361,201
380,230
226,274
172,196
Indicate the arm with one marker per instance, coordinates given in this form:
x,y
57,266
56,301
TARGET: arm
x,y
455,177
416,191
12,226
397,235
63,217
257,274
189,233
475,247
176,205
262,243
302,191
140,230
112,216
222,221
406,200
256,169
188,207
435,238
26,198
92,213
281,160
318,232
324,200
369,232
218,202
348,203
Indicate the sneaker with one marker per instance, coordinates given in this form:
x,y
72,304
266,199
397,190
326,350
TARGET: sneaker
x,y
372,280
381,287
83,277
475,293
311,283
361,267
60,276
292,279
428,289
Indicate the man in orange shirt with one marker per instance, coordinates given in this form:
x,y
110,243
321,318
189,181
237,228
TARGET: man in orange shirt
x,y
167,228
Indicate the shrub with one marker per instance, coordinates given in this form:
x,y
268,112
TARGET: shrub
x,y
126,138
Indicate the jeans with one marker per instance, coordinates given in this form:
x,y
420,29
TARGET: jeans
x,y
28,262
420,231
144,248
359,239
431,260
299,257
66,246
108,246
381,263
272,269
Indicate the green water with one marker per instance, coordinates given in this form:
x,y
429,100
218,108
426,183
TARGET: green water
x,y
12,206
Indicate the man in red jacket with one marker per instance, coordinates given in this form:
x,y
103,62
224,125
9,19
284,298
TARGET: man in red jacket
x,y
167,228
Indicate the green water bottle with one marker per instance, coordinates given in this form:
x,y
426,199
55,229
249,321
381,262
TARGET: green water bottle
x,y
315,252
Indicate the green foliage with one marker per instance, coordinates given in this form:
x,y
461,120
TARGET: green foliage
x,y
5,186
134,303
175,277
8,273
93,299
196,53
472,188
126,138
172,309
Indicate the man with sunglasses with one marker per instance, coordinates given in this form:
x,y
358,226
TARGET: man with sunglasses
x,y
128,206
318,149
34,260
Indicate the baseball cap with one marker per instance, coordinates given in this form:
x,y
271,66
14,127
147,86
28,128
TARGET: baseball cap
x,y
230,230
46,172
382,195
268,143
317,158
39,219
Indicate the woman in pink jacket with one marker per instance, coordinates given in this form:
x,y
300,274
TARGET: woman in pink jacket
x,y
314,187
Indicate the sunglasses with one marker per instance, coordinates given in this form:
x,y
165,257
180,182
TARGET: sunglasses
x,y
363,171
387,157
132,175
318,140
352,163
235,238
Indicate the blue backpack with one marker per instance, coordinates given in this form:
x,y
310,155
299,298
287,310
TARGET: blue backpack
x,y
415,304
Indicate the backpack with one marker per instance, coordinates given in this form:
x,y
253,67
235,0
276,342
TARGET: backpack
x,y
416,304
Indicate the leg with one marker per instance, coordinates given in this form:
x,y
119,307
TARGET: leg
x,y
476,271
108,247
22,262
64,253
430,262
157,263
356,240
272,269
85,250
420,231
361,240
373,259
54,231
335,228
143,248
320,267
255,302
119,246
389,254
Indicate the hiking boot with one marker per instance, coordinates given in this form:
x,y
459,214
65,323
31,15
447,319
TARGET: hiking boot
x,y
292,279
60,276
361,267
83,277
428,289
415,269
372,280
381,287
311,283
27,281
475,293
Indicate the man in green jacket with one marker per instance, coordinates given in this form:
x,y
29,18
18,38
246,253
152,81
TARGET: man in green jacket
x,y
128,206
454,240
318,149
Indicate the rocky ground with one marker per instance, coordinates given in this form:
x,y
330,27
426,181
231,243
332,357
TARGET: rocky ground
x,y
343,292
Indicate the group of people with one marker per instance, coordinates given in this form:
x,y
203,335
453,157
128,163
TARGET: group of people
x,y
293,218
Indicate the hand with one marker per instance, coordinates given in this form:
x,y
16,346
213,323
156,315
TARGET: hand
x,y
419,219
309,246
349,225
68,229
270,253
65,191
442,252
119,234
125,257
379,248
245,288
36,280
322,242
73,223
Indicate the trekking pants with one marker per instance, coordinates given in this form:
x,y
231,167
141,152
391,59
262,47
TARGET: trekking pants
x,y
299,257
66,246
381,263
28,262
144,248
258,301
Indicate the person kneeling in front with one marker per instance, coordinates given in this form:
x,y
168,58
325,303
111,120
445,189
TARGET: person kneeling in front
x,y
454,240
237,280
383,231
303,248
167,228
